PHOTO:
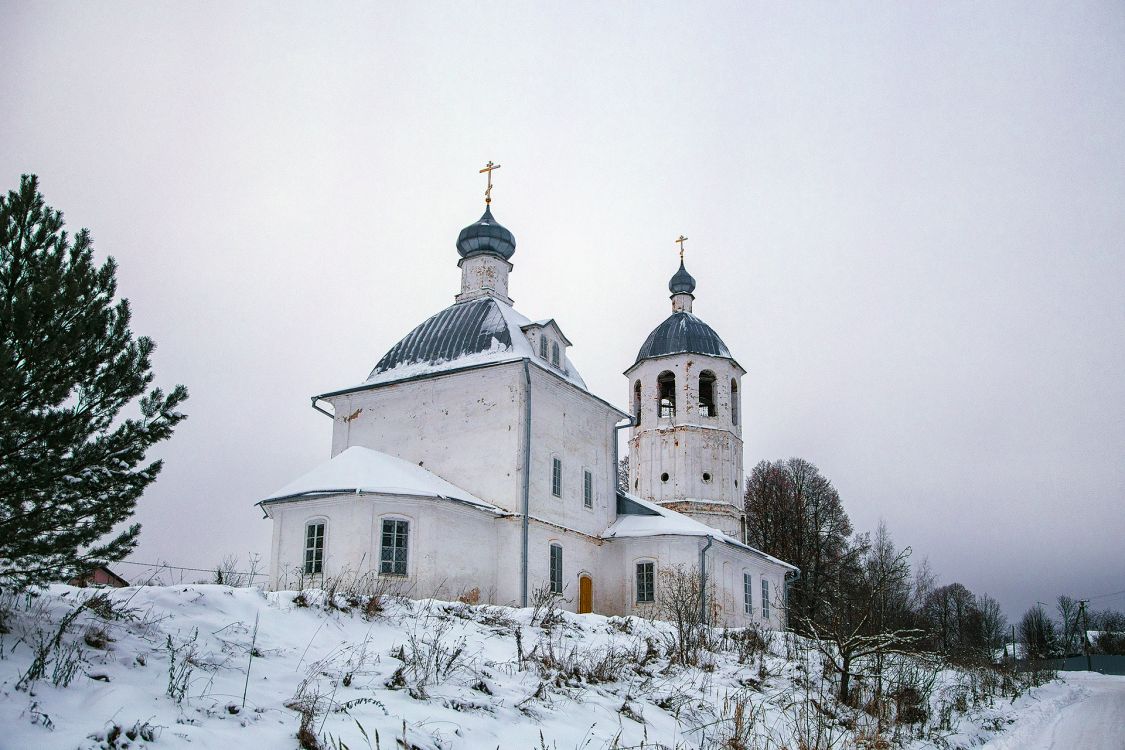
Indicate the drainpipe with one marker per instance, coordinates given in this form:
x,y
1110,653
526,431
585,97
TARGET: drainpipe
x,y
617,459
788,583
703,580
525,499
328,414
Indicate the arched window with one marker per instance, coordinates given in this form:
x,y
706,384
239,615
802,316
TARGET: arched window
x,y
314,546
637,402
543,347
556,569
666,385
733,401
555,353
706,394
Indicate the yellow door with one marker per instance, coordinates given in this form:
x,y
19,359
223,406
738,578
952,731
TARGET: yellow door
x,y
585,595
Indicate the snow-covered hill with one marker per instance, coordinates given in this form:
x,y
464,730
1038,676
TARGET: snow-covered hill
x,y
208,666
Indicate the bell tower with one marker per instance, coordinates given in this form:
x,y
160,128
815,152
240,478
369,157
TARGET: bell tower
x,y
685,447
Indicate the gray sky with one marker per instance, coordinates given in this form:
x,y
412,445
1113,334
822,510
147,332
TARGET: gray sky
x,y
906,221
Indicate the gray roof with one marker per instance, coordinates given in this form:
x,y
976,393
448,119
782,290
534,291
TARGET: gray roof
x,y
486,236
682,282
457,331
682,332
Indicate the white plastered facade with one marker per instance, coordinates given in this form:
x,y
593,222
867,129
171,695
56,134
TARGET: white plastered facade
x,y
463,422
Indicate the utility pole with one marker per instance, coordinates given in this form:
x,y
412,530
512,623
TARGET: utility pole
x,y
1085,631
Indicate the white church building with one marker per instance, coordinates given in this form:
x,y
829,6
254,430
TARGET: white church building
x,y
474,461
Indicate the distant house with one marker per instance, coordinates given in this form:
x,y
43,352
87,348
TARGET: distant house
x,y
99,576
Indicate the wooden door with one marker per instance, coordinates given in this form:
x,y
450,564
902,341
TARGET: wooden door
x,y
585,595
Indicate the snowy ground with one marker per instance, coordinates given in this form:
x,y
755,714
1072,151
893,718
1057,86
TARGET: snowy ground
x,y
387,673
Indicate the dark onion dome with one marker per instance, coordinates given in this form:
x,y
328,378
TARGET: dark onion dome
x,y
682,333
486,236
682,282
463,329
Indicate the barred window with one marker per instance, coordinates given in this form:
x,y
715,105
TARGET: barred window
x,y
392,551
646,582
556,477
556,569
588,489
748,593
765,599
314,547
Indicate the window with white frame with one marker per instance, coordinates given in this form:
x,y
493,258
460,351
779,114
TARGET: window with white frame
x,y
555,353
748,593
765,599
314,547
543,347
587,488
393,547
556,569
556,477
646,582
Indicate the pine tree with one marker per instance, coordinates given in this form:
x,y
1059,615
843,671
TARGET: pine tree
x,y
72,464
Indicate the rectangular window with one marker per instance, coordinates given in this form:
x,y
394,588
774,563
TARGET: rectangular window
x,y
392,551
543,347
748,593
314,548
646,582
765,599
556,477
588,489
556,569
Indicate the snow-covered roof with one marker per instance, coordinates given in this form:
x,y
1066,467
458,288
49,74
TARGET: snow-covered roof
x,y
477,332
359,469
665,521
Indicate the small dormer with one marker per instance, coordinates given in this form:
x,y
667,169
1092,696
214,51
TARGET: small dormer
x,y
548,342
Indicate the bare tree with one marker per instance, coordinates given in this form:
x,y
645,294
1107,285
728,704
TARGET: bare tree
x,y
1069,640
849,630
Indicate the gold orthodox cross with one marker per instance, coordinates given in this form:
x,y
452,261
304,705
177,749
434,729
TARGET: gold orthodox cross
x,y
488,191
681,239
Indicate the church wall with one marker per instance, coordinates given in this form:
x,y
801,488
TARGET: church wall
x,y
466,427
725,566
569,425
439,563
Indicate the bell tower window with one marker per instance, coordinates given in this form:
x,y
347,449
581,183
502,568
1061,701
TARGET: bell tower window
x,y
734,401
666,385
706,394
637,403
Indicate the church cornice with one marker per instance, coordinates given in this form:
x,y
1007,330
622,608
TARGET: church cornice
x,y
467,368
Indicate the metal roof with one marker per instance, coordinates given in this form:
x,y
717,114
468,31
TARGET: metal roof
x,y
457,331
486,236
682,332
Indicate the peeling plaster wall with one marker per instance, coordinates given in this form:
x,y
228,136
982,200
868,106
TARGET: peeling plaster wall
x,y
688,444
483,275
466,427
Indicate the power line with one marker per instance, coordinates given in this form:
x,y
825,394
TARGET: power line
x,y
180,567
1102,596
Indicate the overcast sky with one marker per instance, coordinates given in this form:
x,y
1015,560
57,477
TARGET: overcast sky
x,y
906,221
